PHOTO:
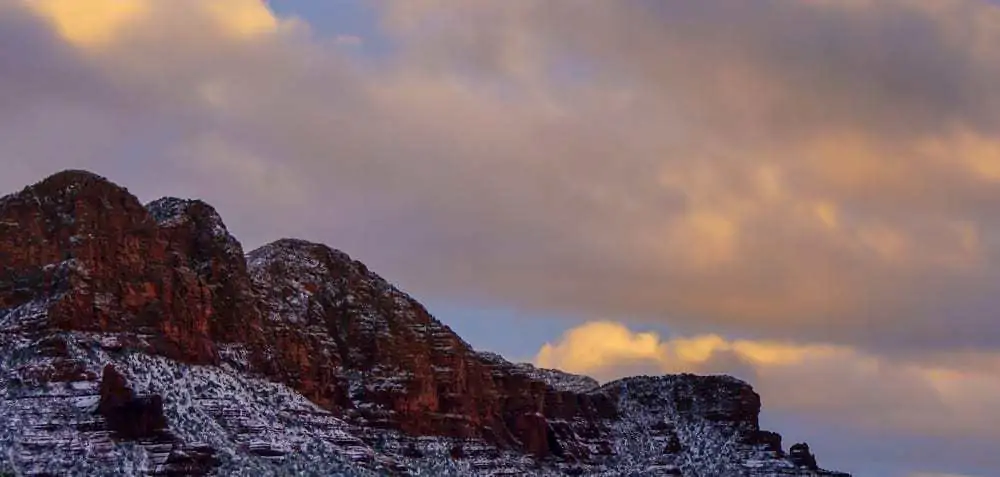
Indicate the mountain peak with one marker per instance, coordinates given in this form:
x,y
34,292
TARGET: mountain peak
x,y
68,176
59,190
299,248
302,260
73,182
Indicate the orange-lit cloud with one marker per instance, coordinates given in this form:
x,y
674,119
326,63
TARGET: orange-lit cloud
x,y
90,23
244,18
597,348
98,23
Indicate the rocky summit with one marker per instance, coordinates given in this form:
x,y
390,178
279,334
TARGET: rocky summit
x,y
141,340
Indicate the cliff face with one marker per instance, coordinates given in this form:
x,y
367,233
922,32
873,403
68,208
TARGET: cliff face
x,y
140,339
197,240
87,254
389,362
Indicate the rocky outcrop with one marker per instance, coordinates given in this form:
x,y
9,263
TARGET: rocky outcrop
x,y
669,424
800,455
198,240
131,417
80,253
256,362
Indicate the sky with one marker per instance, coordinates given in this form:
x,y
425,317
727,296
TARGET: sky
x,y
801,193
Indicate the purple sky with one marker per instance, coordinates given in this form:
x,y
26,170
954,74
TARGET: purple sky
x,y
800,193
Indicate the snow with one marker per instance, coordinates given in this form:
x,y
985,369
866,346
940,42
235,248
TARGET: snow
x,y
253,424
24,315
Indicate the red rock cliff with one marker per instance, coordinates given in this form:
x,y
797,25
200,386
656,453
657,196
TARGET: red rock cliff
x,y
92,257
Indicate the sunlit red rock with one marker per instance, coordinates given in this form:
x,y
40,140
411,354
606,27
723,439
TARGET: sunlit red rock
x,y
92,253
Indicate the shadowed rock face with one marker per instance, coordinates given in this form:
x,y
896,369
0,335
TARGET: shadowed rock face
x,y
799,455
198,240
129,416
140,418
89,276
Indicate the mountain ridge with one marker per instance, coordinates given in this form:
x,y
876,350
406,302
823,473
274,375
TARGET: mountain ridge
x,y
295,357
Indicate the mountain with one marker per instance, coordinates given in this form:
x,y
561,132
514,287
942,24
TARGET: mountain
x,y
140,339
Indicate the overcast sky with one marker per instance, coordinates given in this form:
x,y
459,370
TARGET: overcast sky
x,y
802,193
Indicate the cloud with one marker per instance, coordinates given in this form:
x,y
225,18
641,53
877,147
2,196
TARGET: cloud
x,y
771,176
935,474
99,23
813,171
604,348
91,24
348,40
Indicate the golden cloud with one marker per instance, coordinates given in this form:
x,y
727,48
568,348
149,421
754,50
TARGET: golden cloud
x,y
91,23
596,347
97,23
977,152
243,18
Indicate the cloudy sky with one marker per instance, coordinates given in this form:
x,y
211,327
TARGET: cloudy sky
x,y
802,193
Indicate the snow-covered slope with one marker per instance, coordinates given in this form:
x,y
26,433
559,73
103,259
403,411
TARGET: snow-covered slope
x,y
695,426
246,425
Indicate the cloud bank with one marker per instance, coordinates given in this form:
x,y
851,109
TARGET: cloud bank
x,y
822,171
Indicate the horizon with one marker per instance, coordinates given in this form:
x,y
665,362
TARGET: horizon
x,y
801,195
